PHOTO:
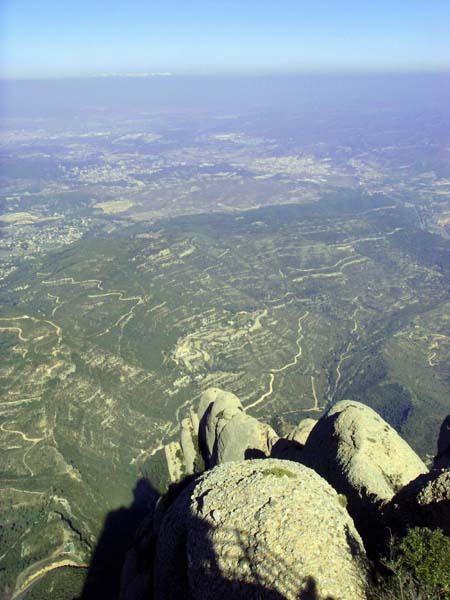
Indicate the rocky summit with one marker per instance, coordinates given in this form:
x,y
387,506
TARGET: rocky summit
x,y
260,528
254,525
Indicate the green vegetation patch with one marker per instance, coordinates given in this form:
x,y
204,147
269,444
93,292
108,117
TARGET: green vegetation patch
x,y
426,555
418,566
278,472
156,471
108,342
342,499
65,583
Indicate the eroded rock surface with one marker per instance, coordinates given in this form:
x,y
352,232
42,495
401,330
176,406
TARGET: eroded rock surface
x,y
212,395
259,529
361,455
214,405
227,433
243,437
425,502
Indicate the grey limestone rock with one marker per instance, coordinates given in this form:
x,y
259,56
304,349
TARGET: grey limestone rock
x,y
187,445
259,529
213,395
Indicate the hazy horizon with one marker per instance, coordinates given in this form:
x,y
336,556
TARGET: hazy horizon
x,y
376,72
309,92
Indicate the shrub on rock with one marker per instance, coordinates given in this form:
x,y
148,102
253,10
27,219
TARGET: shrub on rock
x,y
418,567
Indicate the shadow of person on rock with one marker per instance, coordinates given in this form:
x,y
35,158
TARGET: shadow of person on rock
x,y
444,436
117,537
188,566
442,458
129,564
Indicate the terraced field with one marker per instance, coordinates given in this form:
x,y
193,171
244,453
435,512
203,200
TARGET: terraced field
x,y
106,345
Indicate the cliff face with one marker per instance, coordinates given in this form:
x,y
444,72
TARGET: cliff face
x,y
277,528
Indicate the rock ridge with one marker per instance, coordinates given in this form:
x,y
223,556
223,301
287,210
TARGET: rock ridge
x,y
256,525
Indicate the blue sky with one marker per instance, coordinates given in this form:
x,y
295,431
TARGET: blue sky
x,y
50,38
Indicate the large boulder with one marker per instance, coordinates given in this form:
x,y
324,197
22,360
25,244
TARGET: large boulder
x,y
212,395
300,433
259,529
227,433
362,456
425,502
215,405
242,437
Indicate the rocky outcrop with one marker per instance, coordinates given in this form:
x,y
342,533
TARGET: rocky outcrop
x,y
275,528
212,395
214,405
243,437
300,433
361,456
227,433
425,502
187,436
259,529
